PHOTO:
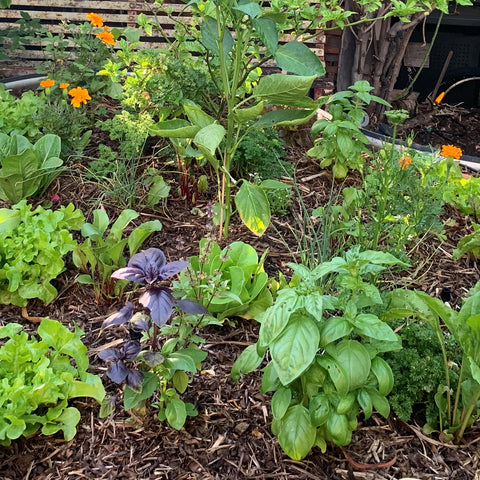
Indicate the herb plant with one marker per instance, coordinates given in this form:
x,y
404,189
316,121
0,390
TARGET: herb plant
x,y
27,169
102,253
148,368
323,340
39,378
457,402
229,282
33,244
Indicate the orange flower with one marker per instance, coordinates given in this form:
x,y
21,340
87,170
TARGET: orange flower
x,y
80,95
106,37
95,20
63,86
451,151
404,162
47,83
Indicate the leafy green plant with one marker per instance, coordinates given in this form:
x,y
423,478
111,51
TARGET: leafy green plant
x,y
150,370
39,378
323,341
342,142
33,244
469,244
102,253
458,406
418,370
17,113
229,282
27,169
463,194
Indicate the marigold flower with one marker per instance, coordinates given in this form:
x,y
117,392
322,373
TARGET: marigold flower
x,y
451,151
80,95
404,162
95,20
106,37
64,86
47,83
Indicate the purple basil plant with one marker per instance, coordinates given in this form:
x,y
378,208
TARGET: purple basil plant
x,y
148,268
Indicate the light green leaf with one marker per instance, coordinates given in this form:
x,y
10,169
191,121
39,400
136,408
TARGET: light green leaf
x,y
297,434
284,117
382,371
281,402
267,31
176,413
177,128
281,89
243,115
247,362
253,207
132,398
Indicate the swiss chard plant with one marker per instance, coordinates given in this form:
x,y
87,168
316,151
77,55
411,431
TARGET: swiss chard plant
x,y
229,282
27,169
102,252
40,377
322,339
149,369
33,244
457,403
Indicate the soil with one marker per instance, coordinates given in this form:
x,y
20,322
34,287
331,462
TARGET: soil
x,y
230,438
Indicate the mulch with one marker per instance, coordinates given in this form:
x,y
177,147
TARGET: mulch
x,y
230,438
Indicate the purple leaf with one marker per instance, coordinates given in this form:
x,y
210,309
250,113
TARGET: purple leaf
x,y
109,354
122,316
129,273
160,303
131,349
173,268
135,379
194,308
150,262
117,372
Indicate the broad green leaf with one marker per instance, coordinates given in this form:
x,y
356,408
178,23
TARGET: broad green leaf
x,y
247,362
267,31
338,429
212,38
118,227
253,207
280,89
337,373
132,398
141,233
319,408
333,329
176,413
313,303
159,190
208,139
251,9
295,349
297,434
9,219
382,371
284,117
275,321
380,403
368,325
281,402
196,115
296,57
47,146
83,389
354,360
19,176
66,422
270,381
365,402
176,128
243,115
180,381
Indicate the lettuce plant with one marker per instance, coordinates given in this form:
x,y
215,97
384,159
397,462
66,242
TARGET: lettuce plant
x,y
146,368
27,169
33,244
40,377
323,339
229,282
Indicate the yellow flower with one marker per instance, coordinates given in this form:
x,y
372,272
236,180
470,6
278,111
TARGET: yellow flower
x,y
106,37
95,20
80,95
63,86
451,151
404,162
47,83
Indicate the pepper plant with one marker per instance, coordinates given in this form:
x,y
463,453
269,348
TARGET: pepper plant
x,y
148,369
230,37
323,340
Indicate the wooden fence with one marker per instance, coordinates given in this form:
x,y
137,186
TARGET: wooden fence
x,y
53,14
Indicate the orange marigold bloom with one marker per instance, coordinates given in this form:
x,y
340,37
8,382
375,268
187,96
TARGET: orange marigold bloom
x,y
95,20
47,83
404,162
80,95
451,151
106,37
63,86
